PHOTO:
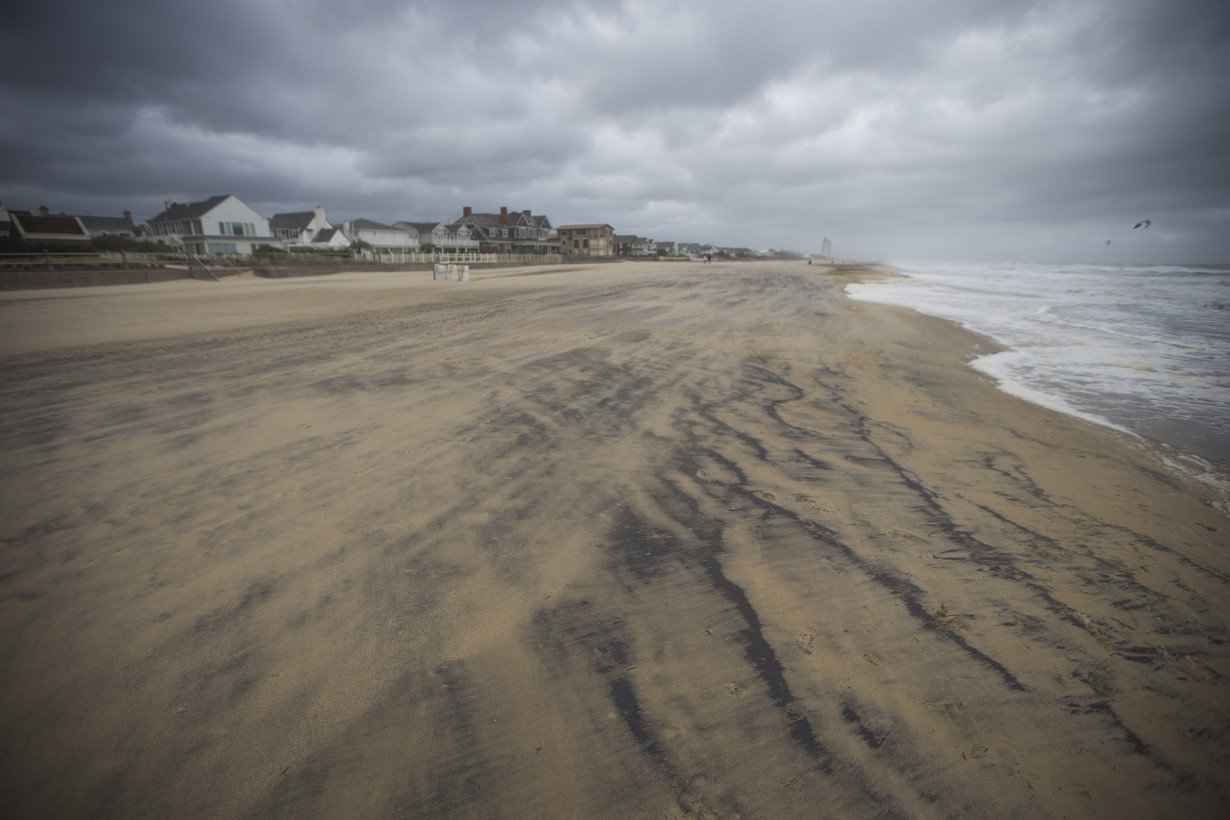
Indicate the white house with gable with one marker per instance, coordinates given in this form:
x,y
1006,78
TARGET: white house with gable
x,y
222,224
330,239
381,237
299,229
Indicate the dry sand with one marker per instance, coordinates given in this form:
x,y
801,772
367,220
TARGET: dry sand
x,y
635,540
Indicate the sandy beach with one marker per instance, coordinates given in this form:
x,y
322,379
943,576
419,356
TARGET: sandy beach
x,y
633,540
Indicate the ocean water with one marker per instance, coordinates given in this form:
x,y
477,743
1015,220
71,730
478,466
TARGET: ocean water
x,y
1143,348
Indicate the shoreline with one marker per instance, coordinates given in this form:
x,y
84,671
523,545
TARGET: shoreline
x,y
1041,380
639,539
1188,465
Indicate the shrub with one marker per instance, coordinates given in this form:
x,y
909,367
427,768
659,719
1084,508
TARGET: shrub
x,y
114,243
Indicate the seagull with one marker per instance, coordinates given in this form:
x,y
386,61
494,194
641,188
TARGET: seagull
x,y
1108,243
1144,223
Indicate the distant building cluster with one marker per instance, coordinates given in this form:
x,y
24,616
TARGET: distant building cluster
x,y
225,225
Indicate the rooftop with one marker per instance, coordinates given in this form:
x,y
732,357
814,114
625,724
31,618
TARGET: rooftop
x,y
189,210
297,220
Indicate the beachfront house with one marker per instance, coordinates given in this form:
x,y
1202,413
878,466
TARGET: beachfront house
x,y
45,228
110,225
462,238
380,237
298,229
330,239
520,232
425,231
696,250
220,225
591,239
442,237
631,245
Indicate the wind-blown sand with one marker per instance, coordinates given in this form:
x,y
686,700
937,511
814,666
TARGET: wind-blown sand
x,y
632,540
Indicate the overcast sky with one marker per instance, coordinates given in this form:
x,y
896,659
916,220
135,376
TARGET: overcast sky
x,y
905,130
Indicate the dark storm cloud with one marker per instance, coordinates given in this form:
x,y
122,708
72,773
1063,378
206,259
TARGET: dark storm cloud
x,y
900,128
639,56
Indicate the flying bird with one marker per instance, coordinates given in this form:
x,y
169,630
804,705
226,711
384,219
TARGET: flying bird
x,y
1108,243
1144,223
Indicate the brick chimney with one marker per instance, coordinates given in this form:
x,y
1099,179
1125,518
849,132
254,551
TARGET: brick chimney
x,y
466,211
42,210
526,212
503,214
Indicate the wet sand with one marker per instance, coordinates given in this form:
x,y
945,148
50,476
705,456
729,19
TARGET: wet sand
x,y
636,540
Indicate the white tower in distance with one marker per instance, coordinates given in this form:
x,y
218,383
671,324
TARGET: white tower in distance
x,y
826,249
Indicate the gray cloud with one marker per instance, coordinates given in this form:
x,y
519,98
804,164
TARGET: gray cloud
x,y
950,129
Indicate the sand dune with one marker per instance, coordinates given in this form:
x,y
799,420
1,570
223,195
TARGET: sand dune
x,y
632,540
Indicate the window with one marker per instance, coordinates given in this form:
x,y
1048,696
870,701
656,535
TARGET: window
x,y
220,247
236,229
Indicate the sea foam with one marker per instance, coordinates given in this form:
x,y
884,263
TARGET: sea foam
x,y
1142,348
